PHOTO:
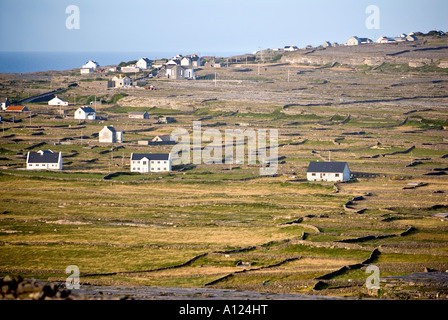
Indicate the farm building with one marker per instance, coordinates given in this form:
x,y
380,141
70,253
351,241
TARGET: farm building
x,y
44,160
385,39
355,41
166,120
138,115
328,171
86,70
56,101
85,113
144,63
150,162
166,138
4,103
130,69
109,135
17,109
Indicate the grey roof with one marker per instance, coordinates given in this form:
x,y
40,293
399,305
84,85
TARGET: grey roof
x,y
150,156
47,156
111,128
318,166
87,109
164,137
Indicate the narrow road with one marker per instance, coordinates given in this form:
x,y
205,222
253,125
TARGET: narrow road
x,y
41,97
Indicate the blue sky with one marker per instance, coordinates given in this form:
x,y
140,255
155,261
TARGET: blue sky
x,y
205,26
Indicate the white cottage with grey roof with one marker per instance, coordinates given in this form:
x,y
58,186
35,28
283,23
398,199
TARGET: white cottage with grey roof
x,y
150,162
328,171
44,160
85,113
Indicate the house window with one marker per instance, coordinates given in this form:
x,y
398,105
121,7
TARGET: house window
x,y
336,175
144,163
158,161
313,174
164,169
164,161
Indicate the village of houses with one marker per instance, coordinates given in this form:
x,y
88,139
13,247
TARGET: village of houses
x,y
179,67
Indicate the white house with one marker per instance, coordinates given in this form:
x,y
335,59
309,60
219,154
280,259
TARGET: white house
x,y
353,41
165,138
150,162
56,101
173,62
290,48
121,82
91,64
186,61
144,63
328,171
109,135
4,103
85,113
44,160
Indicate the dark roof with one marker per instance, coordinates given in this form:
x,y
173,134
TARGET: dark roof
x,y
46,156
164,137
318,166
87,109
150,156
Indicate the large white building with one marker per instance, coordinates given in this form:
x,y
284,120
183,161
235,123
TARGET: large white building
x,y
44,160
56,101
85,113
91,65
328,171
150,162
144,63
109,135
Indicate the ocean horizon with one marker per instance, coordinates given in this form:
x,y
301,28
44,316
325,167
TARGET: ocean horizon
x,y
27,61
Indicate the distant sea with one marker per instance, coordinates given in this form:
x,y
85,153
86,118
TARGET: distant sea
x,y
24,62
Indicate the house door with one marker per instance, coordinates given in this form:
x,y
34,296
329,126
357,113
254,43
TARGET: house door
x,y
145,166
321,176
